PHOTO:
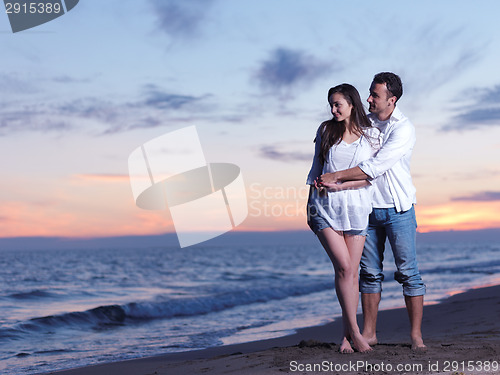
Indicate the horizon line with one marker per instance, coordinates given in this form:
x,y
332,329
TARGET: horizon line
x,y
234,232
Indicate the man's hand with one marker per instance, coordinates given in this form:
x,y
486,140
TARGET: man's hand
x,y
329,180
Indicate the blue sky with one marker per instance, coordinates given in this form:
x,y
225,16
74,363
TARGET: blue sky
x,y
81,92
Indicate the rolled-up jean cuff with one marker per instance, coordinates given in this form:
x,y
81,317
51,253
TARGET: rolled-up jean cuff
x,y
370,289
370,279
414,292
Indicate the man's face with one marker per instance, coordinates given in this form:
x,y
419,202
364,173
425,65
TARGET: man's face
x,y
380,99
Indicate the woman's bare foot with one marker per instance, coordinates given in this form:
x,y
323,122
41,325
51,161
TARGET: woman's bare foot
x,y
360,343
345,347
417,344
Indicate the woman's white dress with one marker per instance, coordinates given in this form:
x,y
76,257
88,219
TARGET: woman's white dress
x,y
346,209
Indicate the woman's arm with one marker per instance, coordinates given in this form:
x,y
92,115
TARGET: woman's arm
x,y
317,166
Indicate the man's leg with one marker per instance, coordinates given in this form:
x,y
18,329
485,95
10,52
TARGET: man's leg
x,y
371,275
370,302
415,307
402,236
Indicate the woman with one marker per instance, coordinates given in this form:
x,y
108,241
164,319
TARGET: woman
x,y
339,216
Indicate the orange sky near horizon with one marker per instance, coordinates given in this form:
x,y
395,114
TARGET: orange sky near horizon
x,y
102,206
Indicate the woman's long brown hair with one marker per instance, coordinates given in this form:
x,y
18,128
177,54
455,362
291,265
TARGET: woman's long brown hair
x,y
332,130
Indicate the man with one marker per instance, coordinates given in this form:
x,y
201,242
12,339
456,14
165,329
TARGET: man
x,y
393,215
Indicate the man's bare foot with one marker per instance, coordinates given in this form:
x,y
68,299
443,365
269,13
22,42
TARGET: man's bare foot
x,y
371,339
417,344
346,347
360,343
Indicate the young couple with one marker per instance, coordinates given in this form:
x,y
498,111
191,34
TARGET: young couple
x,y
361,194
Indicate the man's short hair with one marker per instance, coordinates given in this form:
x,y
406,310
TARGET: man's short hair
x,y
392,82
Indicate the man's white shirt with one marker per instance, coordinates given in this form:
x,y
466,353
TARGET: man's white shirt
x,y
391,164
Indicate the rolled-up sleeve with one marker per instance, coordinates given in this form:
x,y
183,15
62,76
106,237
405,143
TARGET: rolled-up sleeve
x,y
399,142
317,165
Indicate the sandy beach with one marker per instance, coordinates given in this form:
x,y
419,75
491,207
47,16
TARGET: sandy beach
x,y
462,334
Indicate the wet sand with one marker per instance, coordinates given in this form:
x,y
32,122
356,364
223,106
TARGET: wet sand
x,y
462,334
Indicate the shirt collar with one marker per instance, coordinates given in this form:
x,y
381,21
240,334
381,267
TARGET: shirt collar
x,y
396,115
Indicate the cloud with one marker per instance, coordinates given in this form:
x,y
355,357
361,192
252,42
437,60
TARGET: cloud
x,y
475,119
13,83
164,100
30,119
181,19
103,177
66,79
274,153
90,108
451,62
430,55
484,112
286,68
490,96
483,196
116,117
153,107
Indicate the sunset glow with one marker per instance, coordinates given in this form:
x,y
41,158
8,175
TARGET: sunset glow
x,y
255,91
271,209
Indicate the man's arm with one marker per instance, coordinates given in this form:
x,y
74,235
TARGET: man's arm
x,y
400,141
329,180
349,185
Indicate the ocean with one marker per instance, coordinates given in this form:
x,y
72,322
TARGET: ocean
x,y
63,308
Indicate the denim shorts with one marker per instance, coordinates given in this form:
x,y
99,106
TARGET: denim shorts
x,y
400,229
316,222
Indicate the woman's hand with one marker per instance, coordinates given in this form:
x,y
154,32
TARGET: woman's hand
x,y
322,191
328,180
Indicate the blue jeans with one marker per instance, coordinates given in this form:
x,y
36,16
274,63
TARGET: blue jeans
x,y
400,228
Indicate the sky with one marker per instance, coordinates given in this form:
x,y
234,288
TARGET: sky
x,y
80,93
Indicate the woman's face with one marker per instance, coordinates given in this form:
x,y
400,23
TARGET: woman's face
x,y
341,109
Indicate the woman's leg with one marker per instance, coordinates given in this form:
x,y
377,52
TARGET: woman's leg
x,y
355,245
345,344
345,275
